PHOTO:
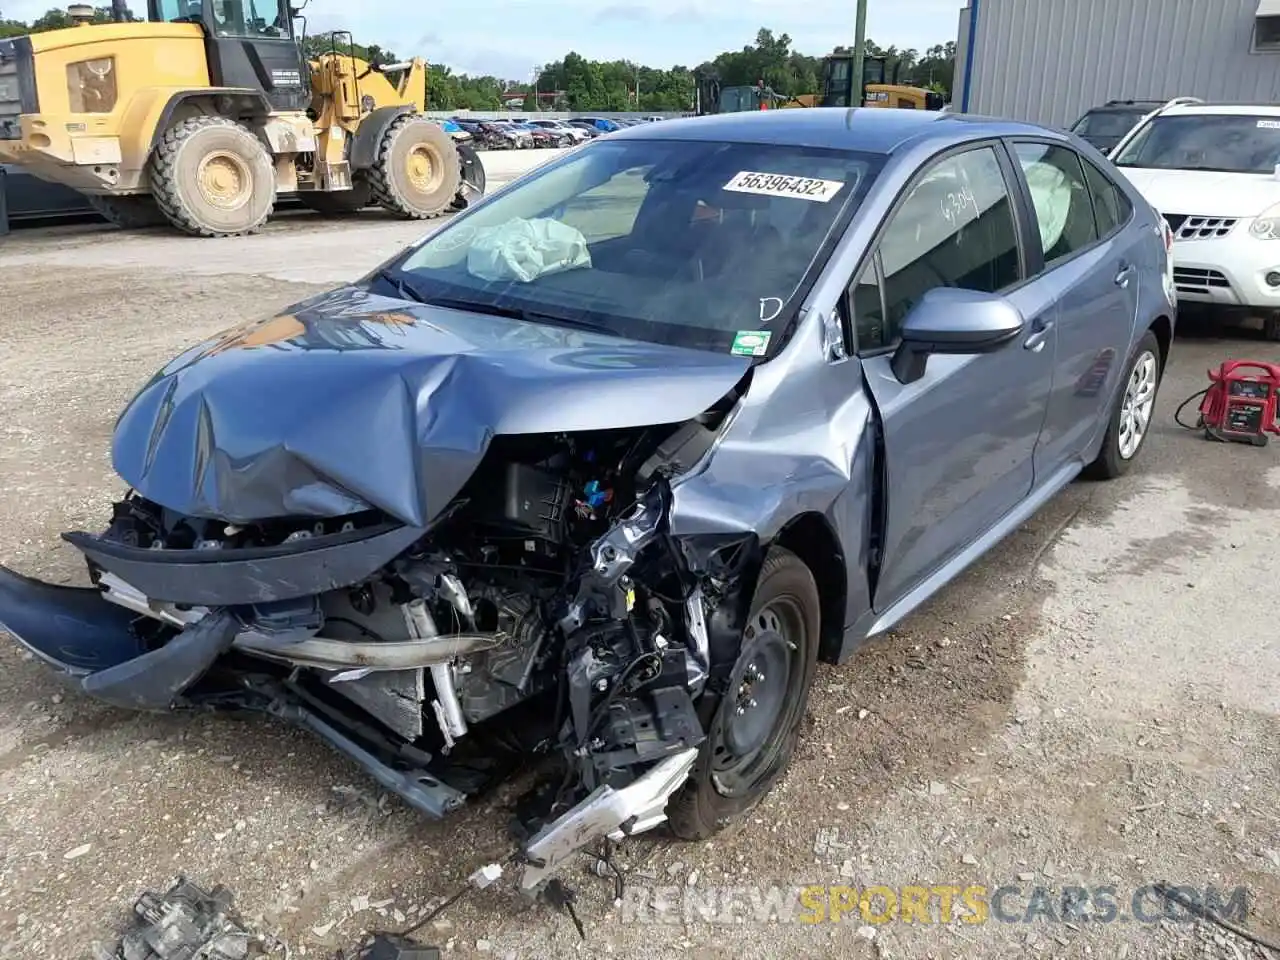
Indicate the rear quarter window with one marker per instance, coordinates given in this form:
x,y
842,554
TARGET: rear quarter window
x,y
1111,208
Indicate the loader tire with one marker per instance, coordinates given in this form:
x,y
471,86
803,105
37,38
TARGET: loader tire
x,y
416,174
338,203
211,177
134,212
472,176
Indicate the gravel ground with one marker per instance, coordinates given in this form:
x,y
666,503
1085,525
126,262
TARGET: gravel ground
x,y
1092,705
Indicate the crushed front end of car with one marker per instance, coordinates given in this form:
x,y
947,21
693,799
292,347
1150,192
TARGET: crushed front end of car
x,y
439,541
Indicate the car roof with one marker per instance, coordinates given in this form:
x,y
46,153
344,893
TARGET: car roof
x,y
1122,104
1223,109
867,129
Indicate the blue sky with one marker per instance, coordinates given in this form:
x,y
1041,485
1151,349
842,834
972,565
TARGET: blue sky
x,y
508,37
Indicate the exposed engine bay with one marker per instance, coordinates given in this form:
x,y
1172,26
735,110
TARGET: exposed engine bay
x,y
548,614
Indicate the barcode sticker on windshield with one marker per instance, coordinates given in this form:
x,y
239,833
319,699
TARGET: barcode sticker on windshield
x,y
778,185
1269,124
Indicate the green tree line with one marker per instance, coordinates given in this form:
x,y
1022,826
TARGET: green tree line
x,y
616,85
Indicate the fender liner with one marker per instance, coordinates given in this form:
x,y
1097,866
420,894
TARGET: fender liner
x,y
244,95
364,145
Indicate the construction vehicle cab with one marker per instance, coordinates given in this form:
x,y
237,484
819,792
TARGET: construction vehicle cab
x,y
879,87
205,113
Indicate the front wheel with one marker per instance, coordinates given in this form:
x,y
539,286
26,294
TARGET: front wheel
x,y
1132,412
473,177
416,174
754,723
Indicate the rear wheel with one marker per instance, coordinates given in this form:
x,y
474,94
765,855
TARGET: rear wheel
x,y
133,212
1271,328
1131,415
212,177
417,173
754,725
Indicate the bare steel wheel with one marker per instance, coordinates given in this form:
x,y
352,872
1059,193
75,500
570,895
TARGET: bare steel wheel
x,y
753,719
747,730
417,172
212,177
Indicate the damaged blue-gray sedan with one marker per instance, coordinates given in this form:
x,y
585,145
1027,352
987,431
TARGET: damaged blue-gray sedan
x,y
595,474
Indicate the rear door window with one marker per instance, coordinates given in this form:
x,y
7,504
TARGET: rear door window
x,y
1061,197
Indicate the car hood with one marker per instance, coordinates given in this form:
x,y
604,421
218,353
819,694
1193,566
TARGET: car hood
x,y
1203,193
354,401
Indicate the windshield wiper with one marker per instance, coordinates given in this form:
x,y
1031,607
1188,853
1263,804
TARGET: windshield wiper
x,y
516,313
402,287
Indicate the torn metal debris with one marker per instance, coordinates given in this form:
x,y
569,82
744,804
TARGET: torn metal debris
x,y
186,923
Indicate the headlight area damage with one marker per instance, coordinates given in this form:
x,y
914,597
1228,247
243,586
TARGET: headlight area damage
x,y
547,612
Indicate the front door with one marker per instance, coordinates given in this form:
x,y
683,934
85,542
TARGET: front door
x,y
959,443
1093,273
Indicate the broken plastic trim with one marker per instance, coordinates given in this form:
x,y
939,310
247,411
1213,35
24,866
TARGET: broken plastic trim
x,y
303,648
606,812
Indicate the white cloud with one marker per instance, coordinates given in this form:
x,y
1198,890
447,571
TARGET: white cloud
x,y
508,38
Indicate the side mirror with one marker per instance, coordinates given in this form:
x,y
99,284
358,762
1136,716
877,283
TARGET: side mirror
x,y
952,320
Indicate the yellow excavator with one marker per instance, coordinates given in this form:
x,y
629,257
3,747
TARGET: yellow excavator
x,y
207,112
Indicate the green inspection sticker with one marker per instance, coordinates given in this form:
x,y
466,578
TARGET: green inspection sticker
x,y
751,343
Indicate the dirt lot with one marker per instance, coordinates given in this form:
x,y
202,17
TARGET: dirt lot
x,y
1095,704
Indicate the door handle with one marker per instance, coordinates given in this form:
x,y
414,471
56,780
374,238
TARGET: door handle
x,y
1122,278
1035,343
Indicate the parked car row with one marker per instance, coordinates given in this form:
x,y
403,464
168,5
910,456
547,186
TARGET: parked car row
x,y
493,134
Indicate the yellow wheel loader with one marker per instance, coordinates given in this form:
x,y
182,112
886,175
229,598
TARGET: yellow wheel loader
x,y
206,113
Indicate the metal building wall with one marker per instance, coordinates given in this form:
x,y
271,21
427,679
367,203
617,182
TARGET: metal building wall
x,y
1050,60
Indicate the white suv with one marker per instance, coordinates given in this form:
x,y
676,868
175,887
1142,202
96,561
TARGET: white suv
x,y
1213,171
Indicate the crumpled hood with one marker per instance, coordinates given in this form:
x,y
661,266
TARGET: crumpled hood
x,y
1205,194
355,400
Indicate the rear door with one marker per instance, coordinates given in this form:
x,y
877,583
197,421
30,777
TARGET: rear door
x,y
1091,266
959,443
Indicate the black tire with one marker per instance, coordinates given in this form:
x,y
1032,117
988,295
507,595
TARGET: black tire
x,y
742,759
416,174
182,162
1111,461
472,174
133,212
1271,328
338,203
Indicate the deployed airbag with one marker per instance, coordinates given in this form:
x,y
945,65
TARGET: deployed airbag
x,y
525,250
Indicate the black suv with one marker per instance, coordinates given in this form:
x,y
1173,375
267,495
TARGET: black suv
x,y
1104,126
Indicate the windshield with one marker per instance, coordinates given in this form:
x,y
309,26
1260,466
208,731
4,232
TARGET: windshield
x,y
680,242
1219,144
1109,124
